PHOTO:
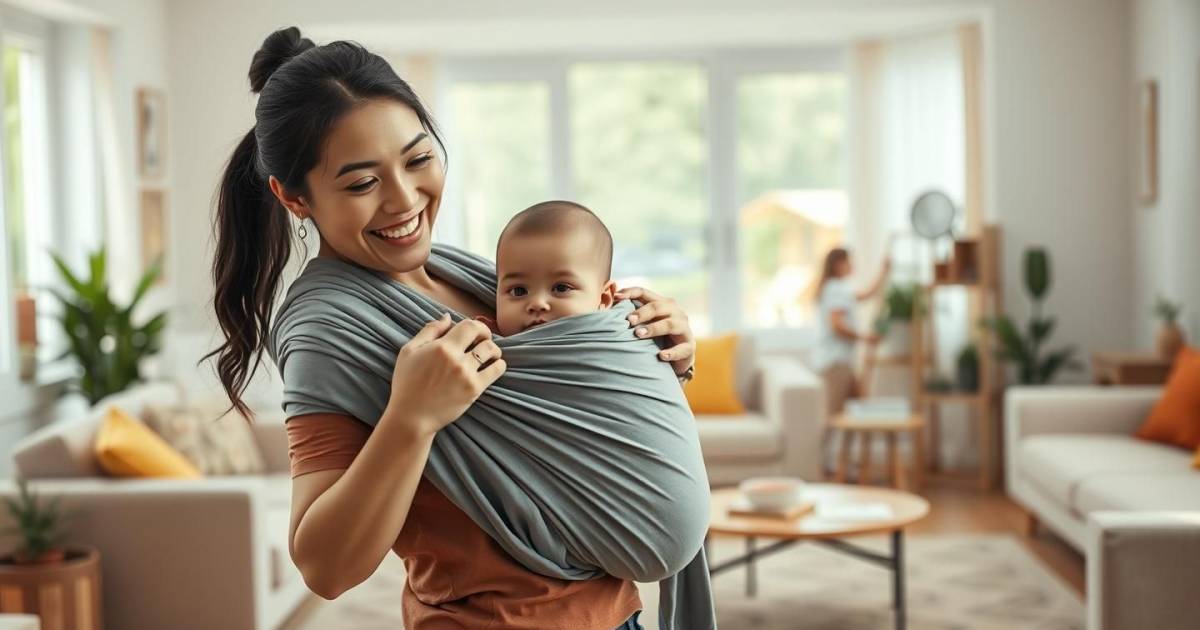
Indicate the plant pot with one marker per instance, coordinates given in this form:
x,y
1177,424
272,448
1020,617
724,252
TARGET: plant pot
x,y
1169,341
897,342
64,594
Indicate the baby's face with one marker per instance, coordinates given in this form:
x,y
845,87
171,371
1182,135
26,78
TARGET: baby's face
x,y
545,277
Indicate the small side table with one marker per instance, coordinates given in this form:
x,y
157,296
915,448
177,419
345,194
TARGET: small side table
x,y
1127,368
852,427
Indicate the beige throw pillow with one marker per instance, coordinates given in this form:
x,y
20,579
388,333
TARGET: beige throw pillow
x,y
217,445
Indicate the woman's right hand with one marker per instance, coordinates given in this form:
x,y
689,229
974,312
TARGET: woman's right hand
x,y
441,371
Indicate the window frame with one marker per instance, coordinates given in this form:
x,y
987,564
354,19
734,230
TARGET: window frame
x,y
722,68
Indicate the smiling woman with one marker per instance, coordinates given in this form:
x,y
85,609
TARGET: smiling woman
x,y
340,139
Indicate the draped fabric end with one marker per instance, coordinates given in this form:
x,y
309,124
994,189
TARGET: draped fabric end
x,y
582,460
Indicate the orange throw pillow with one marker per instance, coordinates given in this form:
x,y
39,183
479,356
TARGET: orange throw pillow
x,y
1175,418
713,390
1196,462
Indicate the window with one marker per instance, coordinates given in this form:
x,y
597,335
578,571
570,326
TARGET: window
x,y
505,167
791,130
674,154
638,157
24,195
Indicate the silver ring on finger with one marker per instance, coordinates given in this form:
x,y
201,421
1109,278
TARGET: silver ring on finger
x,y
475,353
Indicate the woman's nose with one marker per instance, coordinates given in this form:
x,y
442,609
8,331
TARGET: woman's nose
x,y
402,196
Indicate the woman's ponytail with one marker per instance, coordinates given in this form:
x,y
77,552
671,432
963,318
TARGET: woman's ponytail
x,y
253,247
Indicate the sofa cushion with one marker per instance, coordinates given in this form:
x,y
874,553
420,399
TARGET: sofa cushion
x,y
1058,463
64,447
217,444
1139,491
745,436
126,447
713,390
1175,418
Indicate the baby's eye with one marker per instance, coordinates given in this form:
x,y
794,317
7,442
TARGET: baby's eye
x,y
563,287
517,291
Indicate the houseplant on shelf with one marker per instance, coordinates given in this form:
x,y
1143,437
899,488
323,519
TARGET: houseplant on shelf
x,y
41,563
1170,336
1034,367
967,369
894,323
100,334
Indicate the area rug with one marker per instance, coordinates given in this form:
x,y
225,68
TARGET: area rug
x,y
955,582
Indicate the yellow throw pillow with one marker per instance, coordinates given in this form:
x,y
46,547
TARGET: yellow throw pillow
x,y
714,388
127,448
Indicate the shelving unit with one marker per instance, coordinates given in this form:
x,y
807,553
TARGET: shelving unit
x,y
984,300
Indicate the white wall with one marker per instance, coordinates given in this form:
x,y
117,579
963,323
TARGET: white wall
x,y
1166,48
1057,105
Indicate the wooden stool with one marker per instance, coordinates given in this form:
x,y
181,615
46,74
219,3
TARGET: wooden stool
x,y
890,429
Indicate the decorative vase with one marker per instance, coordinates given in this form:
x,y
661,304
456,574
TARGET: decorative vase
x,y
1169,341
63,594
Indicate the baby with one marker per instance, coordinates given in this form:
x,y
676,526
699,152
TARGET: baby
x,y
553,260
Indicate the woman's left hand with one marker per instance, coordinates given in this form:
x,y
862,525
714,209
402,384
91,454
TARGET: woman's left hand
x,y
660,316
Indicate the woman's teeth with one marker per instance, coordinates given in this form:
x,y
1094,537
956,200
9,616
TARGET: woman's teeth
x,y
402,231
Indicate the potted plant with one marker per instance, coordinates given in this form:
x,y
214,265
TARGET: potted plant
x,y
100,334
967,366
42,563
1170,336
1025,350
894,323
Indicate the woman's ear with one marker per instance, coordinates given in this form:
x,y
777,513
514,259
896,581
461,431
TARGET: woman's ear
x,y
294,203
608,295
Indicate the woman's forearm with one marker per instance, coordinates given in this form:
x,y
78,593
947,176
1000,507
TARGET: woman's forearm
x,y
352,526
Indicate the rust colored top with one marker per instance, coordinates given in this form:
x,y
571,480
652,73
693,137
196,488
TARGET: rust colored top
x,y
458,576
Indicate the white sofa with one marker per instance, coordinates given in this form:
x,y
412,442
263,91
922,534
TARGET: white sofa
x,y
179,554
780,433
1131,506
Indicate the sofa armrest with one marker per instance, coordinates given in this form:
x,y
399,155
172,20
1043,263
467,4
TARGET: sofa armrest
x,y
170,549
271,435
1142,570
794,398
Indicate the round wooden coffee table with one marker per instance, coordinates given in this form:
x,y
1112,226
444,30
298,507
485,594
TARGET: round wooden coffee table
x,y
905,508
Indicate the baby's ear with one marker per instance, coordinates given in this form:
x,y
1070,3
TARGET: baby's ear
x,y
608,295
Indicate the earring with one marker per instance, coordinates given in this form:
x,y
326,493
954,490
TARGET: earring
x,y
302,230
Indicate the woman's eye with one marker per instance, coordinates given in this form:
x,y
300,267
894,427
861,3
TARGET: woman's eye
x,y
517,291
562,287
420,160
362,186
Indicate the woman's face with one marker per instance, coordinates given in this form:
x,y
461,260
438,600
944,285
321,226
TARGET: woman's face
x,y
843,267
376,191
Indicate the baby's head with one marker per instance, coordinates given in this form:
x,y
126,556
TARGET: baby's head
x,y
553,260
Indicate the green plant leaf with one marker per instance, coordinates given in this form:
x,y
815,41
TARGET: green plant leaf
x,y
1040,329
65,271
1053,362
1037,272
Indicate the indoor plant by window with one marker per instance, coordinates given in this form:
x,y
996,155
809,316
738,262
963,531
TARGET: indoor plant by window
x,y
100,334
1025,350
894,323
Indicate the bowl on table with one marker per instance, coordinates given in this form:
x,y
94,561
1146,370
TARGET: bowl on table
x,y
773,493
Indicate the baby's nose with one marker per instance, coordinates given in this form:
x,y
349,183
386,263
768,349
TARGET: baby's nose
x,y
537,303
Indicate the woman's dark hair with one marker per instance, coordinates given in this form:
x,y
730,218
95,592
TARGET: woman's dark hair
x,y
303,90
829,268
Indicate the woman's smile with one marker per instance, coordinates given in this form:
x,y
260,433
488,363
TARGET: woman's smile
x,y
403,233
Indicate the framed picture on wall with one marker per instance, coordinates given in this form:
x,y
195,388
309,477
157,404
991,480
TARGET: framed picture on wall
x,y
1148,142
153,213
152,132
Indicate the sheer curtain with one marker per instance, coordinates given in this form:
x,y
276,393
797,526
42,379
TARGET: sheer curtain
x,y
909,118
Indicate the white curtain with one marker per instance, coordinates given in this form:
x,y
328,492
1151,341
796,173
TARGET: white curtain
x,y
909,122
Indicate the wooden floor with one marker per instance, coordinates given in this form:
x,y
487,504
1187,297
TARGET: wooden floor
x,y
958,506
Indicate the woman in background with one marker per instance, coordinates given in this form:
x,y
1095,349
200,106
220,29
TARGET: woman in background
x,y
833,355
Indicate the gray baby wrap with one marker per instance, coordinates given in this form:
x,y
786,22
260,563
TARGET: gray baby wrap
x,y
582,460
